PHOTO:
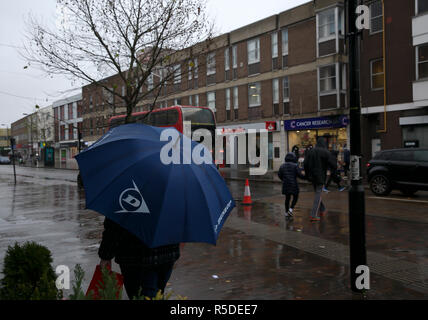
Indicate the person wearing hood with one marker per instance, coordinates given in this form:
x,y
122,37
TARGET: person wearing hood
x,y
317,161
288,173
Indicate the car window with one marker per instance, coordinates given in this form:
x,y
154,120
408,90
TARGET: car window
x,y
404,155
421,155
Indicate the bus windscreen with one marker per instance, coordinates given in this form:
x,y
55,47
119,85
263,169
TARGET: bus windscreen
x,y
198,116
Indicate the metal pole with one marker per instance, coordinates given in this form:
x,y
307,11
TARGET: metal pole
x,y
12,146
357,239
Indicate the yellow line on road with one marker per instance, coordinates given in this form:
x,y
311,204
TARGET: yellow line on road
x,y
398,199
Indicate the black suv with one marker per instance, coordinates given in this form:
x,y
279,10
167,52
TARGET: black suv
x,y
402,169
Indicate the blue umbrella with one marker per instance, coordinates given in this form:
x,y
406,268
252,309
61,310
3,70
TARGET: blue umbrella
x,y
126,179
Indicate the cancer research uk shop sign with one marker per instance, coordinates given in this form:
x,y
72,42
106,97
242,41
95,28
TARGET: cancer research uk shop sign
x,y
316,123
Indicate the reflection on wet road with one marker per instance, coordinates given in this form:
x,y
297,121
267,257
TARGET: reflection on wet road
x,y
259,255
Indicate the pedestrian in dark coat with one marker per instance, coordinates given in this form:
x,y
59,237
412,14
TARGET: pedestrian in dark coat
x,y
145,270
288,173
317,161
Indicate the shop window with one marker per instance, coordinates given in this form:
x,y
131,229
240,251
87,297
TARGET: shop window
x,y
376,17
422,62
377,74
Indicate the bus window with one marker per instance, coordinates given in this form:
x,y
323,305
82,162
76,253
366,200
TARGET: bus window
x,y
172,117
198,116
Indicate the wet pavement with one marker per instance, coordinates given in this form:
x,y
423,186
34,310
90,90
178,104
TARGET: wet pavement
x,y
259,255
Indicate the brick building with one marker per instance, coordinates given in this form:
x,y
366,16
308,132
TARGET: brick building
x,y
68,121
286,73
398,116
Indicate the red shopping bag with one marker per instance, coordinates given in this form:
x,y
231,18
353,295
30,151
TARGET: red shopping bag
x,y
97,282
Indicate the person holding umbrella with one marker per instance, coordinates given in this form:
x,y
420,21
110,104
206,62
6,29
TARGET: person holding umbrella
x,y
145,270
154,197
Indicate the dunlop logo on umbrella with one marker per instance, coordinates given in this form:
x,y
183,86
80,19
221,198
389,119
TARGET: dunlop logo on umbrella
x,y
131,201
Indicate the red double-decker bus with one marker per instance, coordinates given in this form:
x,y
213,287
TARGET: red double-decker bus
x,y
200,118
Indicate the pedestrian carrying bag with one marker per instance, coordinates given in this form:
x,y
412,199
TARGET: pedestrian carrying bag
x,y
97,283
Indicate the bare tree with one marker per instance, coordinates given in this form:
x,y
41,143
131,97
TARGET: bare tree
x,y
139,40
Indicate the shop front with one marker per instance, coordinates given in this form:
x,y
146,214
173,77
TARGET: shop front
x,y
303,133
236,132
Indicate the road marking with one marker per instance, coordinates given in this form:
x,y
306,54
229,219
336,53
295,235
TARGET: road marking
x,y
398,199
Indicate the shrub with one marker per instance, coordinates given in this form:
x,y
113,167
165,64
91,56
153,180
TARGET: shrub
x,y
28,274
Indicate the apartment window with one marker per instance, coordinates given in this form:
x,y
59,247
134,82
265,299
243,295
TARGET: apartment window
x,y
190,101
177,74
376,21
211,100
326,24
150,82
327,79
274,42
377,75
196,99
226,59
285,89
70,111
235,102
235,98
211,63
254,94
275,92
421,6
235,57
275,96
228,104
253,47
123,91
422,61
195,68
228,99
90,102
74,116
284,42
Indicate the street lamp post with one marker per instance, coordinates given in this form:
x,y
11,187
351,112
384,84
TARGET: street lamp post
x,y
357,240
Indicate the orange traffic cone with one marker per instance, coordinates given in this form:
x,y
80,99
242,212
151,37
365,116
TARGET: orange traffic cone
x,y
247,194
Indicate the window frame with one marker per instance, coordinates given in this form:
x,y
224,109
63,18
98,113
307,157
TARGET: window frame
x,y
377,74
177,78
327,92
256,59
227,97
321,14
226,59
376,17
284,97
208,100
284,49
418,77
275,91
211,63
235,94
234,56
417,8
274,44
259,91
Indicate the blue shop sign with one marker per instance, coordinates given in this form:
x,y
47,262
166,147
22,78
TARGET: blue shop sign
x,y
316,123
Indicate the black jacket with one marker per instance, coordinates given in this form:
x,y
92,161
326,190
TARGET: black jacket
x,y
317,161
288,173
127,249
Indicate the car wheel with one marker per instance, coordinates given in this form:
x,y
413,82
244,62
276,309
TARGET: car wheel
x,y
380,185
408,192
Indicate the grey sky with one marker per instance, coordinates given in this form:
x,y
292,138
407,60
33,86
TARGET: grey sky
x,y
21,89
